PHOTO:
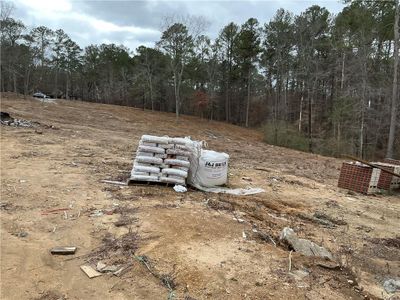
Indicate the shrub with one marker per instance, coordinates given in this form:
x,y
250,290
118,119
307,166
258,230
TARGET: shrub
x,y
285,135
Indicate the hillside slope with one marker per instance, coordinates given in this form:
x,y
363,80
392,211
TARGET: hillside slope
x,y
196,244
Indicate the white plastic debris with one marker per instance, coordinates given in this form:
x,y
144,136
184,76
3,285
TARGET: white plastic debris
x,y
224,190
180,188
100,266
392,285
97,213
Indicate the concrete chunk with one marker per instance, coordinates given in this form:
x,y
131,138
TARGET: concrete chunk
x,y
303,246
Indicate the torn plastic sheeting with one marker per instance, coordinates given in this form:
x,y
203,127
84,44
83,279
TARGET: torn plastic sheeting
x,y
223,190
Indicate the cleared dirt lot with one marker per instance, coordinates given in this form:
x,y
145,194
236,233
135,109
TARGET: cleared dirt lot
x,y
193,244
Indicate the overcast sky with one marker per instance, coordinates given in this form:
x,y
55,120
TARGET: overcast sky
x,y
134,23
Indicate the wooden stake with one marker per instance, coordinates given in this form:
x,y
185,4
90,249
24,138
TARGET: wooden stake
x,y
371,165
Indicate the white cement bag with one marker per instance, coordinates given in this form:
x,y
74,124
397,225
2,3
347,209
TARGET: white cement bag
x,y
177,162
147,144
175,180
157,150
184,147
213,168
178,152
182,158
149,160
176,172
182,168
195,178
179,141
133,172
146,169
155,139
148,154
144,178
166,146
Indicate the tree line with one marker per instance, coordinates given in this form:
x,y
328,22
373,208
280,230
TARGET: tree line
x,y
315,81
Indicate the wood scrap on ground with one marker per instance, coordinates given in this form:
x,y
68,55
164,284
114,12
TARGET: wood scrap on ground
x,y
90,272
63,250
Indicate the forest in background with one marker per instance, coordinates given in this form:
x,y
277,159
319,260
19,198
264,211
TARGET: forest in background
x,y
315,81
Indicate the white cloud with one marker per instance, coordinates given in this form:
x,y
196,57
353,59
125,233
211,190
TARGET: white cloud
x,y
135,23
46,7
62,10
108,27
84,29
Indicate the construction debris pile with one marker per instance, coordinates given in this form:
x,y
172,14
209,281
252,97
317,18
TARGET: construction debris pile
x,y
370,178
182,161
6,119
161,159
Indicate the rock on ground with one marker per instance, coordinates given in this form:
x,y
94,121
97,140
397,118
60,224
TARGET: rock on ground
x,y
303,246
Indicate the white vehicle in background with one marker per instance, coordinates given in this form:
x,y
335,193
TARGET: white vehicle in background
x,y
43,97
40,95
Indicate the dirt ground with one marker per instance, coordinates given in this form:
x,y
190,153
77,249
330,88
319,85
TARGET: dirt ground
x,y
193,245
